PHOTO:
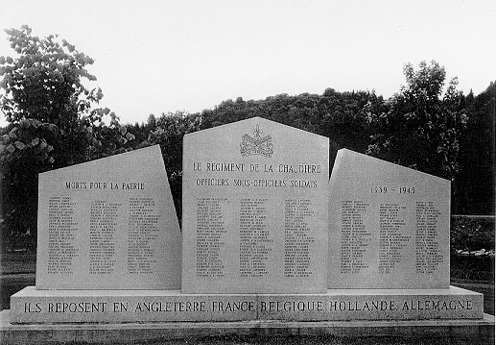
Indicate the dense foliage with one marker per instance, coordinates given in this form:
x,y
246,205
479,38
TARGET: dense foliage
x,y
472,233
54,121
456,142
475,184
420,129
472,247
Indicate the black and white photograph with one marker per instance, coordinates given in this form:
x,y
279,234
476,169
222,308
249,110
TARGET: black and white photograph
x,y
233,172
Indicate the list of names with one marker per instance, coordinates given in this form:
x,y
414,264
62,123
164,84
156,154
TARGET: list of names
x,y
103,227
354,236
427,249
255,243
143,230
297,238
210,233
393,236
62,231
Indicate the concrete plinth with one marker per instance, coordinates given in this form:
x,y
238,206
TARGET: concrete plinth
x,y
31,306
480,331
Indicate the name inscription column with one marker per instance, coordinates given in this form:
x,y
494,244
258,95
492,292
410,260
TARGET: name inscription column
x,y
427,247
392,238
210,231
142,231
254,242
296,238
103,226
62,232
354,236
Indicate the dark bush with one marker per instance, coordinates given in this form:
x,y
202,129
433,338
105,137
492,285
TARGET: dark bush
x,y
472,233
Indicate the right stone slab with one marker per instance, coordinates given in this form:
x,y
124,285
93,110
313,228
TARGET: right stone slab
x,y
388,225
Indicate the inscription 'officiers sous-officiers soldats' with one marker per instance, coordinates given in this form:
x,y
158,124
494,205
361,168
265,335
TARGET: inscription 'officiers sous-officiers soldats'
x,y
257,168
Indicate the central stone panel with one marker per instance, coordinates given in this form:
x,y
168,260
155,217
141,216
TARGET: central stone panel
x,y
254,209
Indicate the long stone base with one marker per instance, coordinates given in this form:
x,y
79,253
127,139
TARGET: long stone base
x,y
480,331
31,306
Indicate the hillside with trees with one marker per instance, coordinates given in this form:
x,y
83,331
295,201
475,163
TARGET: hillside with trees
x,y
448,135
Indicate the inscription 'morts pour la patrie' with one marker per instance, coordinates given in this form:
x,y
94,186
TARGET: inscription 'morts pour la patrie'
x,y
254,217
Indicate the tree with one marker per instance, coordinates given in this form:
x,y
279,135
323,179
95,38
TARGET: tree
x,y
475,184
421,129
53,120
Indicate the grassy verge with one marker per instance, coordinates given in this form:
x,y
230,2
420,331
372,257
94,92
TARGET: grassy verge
x,y
18,263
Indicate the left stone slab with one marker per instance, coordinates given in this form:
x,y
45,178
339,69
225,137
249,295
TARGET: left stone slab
x,y
108,224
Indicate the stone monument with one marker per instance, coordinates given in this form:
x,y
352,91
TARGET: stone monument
x,y
255,241
108,224
388,225
255,209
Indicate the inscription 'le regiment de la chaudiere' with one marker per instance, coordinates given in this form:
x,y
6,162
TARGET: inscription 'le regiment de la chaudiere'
x,y
256,168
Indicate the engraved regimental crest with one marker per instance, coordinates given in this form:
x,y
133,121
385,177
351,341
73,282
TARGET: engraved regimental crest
x,y
257,145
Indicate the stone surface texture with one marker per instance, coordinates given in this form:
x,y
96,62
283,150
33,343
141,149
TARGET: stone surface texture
x,y
108,224
388,225
106,306
255,209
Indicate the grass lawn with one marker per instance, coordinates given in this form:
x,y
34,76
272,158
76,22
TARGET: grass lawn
x,y
18,263
17,271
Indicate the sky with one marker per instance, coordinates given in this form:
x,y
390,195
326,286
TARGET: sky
x,y
160,56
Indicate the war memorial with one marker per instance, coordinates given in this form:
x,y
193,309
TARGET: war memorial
x,y
268,243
